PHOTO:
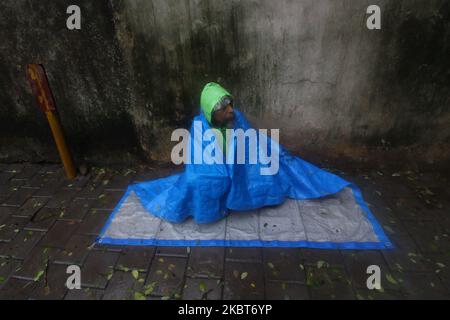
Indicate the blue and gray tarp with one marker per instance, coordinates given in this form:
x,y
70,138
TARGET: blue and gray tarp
x,y
232,204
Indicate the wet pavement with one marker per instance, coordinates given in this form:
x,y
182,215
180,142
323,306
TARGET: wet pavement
x,y
48,223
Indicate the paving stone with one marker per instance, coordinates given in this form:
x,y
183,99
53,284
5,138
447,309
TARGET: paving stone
x,y
59,234
441,192
14,167
2,249
61,198
97,269
357,262
30,207
10,227
123,286
173,251
429,236
109,247
240,254
421,286
21,246
117,182
93,222
39,180
411,209
386,218
418,224
44,219
91,190
17,289
49,189
202,289
441,266
52,284
5,177
243,281
409,261
77,209
19,195
313,256
56,169
6,212
371,194
7,268
5,192
108,200
329,283
16,183
443,216
76,183
167,274
284,264
76,250
84,294
402,241
137,258
36,261
280,290
429,179
28,171
393,187
206,262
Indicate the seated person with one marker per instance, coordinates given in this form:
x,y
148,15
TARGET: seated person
x,y
207,191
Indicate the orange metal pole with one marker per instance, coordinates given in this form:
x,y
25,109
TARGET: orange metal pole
x,y
61,145
39,85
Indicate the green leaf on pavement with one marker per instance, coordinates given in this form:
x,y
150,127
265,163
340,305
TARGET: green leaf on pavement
x,y
139,296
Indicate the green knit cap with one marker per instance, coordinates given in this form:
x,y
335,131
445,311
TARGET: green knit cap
x,y
212,93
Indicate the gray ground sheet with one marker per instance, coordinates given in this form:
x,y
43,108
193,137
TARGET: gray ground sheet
x,y
336,218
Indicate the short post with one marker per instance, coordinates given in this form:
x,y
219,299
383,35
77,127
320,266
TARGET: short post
x,y
39,85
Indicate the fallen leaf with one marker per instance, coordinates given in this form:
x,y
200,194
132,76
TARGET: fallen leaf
x,y
149,288
244,275
171,267
139,296
391,279
39,275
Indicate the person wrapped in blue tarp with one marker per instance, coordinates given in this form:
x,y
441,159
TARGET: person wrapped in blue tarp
x,y
220,176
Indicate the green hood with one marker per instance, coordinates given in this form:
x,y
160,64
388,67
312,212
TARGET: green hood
x,y
211,94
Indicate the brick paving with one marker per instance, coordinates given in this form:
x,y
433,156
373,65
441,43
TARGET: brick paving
x,y
48,223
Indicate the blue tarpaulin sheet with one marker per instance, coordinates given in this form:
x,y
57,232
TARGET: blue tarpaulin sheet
x,y
207,193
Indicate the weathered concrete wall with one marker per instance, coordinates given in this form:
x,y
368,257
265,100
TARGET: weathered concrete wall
x,y
309,67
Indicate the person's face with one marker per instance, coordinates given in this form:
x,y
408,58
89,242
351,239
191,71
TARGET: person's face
x,y
224,117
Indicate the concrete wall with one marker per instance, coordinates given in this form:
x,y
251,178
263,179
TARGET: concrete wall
x,y
309,67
